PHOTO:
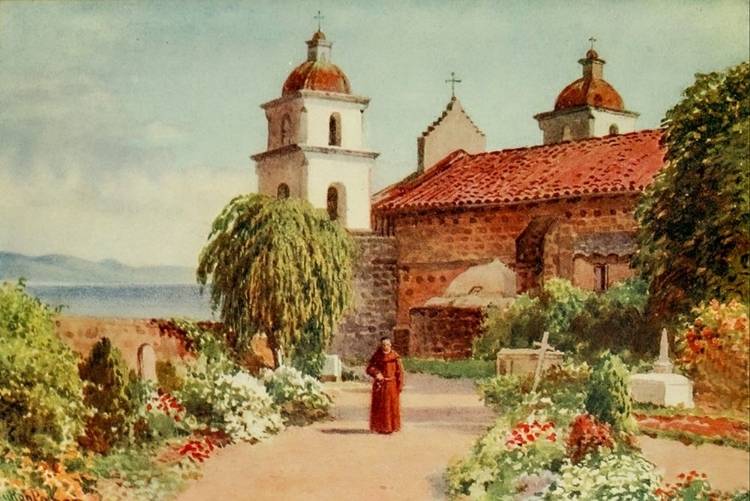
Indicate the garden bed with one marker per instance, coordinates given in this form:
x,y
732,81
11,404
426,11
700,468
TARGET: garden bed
x,y
697,429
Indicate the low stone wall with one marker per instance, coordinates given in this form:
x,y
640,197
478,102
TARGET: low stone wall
x,y
443,332
127,334
375,285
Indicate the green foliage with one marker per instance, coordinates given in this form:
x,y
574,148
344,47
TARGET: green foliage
x,y
106,385
578,321
167,377
299,397
40,391
280,267
695,218
560,395
451,369
518,326
608,396
615,321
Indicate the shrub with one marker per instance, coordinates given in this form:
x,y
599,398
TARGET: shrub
x,y
299,397
502,462
694,485
615,321
227,399
106,391
715,350
608,396
40,392
561,392
628,477
167,377
524,322
587,436
163,416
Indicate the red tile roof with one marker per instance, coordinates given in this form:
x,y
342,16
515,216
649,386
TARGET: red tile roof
x,y
624,163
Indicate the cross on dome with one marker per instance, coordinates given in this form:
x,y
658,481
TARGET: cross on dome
x,y
319,17
592,40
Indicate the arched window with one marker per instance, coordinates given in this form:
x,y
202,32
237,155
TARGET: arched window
x,y
333,203
334,130
614,129
286,130
566,135
282,191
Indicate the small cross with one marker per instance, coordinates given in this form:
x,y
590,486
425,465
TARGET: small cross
x,y
453,83
319,17
592,40
543,347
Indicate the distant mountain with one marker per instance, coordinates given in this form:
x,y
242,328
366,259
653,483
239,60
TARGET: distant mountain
x,y
61,269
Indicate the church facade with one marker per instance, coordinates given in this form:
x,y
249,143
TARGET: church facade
x,y
468,228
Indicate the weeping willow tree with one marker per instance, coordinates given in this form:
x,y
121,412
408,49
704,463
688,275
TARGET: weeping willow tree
x,y
282,268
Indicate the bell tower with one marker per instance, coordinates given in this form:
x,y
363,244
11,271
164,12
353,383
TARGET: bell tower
x,y
315,144
588,107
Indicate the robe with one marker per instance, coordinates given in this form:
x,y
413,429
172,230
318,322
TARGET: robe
x,y
385,408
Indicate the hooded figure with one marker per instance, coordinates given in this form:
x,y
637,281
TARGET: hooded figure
x,y
388,380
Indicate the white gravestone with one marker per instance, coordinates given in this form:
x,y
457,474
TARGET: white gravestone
x,y
331,368
662,387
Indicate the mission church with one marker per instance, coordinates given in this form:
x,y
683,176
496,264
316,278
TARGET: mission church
x,y
469,228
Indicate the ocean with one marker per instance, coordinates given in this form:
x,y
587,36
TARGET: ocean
x,y
127,301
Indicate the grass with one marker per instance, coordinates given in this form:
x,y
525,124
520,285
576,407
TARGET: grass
x,y
451,369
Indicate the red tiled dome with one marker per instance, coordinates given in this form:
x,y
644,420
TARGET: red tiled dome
x,y
589,92
317,75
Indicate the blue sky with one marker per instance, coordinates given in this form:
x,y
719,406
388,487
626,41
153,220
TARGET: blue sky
x,y
125,127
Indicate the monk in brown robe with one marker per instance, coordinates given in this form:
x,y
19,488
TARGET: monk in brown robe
x,y
388,380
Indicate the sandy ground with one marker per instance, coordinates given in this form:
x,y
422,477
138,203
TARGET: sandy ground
x,y
341,460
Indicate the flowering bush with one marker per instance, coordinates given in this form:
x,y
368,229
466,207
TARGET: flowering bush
x,y
507,460
694,485
715,350
300,397
164,416
609,476
197,450
226,398
588,436
24,479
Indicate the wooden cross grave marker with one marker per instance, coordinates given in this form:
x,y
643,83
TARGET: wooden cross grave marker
x,y
543,348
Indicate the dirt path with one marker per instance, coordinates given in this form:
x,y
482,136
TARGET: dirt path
x,y
342,460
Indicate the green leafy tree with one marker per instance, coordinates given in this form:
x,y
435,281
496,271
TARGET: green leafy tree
x,y
40,392
695,218
106,390
282,268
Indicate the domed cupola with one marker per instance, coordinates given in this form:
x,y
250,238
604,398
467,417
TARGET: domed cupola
x,y
592,89
318,73
588,107
316,133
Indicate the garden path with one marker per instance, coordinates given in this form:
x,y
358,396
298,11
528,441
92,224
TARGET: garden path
x,y
340,460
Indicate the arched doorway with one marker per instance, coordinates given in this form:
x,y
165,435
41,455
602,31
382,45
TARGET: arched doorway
x,y
530,254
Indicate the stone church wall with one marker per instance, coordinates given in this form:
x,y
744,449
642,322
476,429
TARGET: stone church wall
x,y
443,332
375,285
436,247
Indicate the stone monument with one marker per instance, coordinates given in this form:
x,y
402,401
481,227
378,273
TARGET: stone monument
x,y
662,387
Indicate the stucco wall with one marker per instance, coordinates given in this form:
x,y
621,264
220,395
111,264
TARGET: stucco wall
x,y
127,334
